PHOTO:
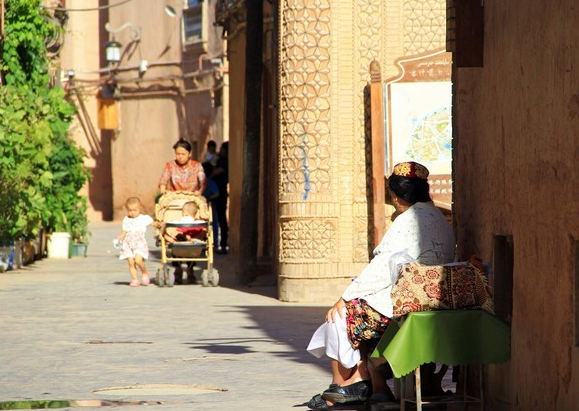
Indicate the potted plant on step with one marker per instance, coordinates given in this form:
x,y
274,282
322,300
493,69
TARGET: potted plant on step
x,y
67,207
79,229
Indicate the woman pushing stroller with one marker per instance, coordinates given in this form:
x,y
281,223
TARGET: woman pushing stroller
x,y
182,174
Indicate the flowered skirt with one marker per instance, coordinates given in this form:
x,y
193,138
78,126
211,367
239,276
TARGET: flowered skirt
x,y
363,323
134,244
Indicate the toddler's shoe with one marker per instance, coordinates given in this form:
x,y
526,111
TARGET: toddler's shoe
x,y
145,279
134,283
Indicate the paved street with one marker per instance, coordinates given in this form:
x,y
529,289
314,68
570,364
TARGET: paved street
x,y
74,330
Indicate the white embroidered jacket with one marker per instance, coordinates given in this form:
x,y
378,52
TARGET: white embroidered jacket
x,y
421,234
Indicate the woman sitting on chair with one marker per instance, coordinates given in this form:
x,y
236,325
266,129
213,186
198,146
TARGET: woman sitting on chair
x,y
357,321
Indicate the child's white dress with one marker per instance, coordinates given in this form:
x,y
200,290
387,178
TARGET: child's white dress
x,y
135,241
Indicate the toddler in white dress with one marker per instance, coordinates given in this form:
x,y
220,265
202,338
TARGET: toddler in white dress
x,y
134,244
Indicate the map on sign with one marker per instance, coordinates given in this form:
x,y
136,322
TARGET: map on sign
x,y
431,138
420,124
418,120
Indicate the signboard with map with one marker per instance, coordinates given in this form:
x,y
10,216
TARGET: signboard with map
x,y
419,127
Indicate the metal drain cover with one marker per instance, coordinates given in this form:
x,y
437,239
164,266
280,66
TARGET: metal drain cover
x,y
37,404
159,389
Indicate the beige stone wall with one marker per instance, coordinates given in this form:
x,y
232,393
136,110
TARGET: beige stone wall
x,y
325,52
81,53
516,173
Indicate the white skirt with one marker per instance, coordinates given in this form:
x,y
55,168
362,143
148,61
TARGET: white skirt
x,y
331,339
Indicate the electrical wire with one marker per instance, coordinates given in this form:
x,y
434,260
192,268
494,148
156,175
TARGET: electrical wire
x,y
109,6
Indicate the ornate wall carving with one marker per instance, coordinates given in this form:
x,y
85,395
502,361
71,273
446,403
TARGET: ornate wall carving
x,y
368,47
308,240
324,54
304,94
424,26
304,106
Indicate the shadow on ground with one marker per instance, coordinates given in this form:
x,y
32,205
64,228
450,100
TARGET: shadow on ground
x,y
264,284
284,331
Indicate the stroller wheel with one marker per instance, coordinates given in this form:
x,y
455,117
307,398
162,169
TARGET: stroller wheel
x,y
169,277
160,279
214,277
205,278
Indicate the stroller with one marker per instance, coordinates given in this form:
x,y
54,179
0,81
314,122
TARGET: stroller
x,y
168,210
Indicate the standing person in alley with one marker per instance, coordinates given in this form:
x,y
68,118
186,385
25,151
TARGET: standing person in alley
x,y
211,155
211,193
221,177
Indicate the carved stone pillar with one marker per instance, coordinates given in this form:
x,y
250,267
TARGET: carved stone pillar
x,y
323,222
325,48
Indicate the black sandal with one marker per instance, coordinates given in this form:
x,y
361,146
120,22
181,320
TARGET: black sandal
x,y
358,391
316,399
318,403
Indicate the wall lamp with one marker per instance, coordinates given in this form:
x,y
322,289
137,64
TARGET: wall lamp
x,y
113,48
113,52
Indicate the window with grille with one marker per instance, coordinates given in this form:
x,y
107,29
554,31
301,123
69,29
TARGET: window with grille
x,y
194,20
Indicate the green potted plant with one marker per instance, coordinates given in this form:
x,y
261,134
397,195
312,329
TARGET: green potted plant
x,y
67,207
79,229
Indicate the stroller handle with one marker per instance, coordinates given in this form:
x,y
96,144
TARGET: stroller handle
x,y
187,225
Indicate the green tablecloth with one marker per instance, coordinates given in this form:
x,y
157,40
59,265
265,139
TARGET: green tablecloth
x,y
452,337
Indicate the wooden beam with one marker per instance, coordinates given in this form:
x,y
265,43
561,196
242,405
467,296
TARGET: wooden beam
x,y
465,32
251,147
377,125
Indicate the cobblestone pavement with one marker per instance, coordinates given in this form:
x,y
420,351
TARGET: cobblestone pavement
x,y
74,330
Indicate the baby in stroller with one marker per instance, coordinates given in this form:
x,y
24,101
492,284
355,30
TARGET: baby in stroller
x,y
184,238
190,228
186,233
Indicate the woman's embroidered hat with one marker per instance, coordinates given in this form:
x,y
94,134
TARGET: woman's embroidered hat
x,y
411,169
